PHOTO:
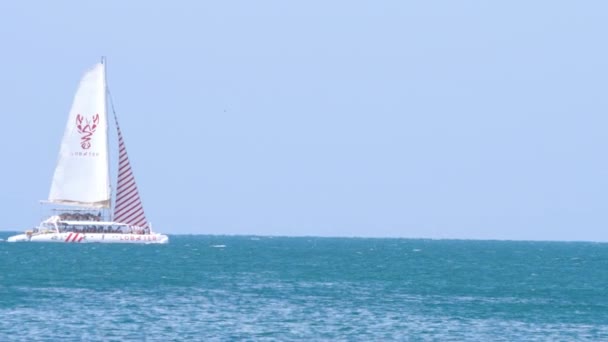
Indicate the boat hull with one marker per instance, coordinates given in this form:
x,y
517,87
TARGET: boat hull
x,y
71,237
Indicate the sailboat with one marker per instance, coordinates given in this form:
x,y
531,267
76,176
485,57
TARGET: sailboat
x,y
81,187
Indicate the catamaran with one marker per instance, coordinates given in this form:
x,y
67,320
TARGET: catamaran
x,y
81,183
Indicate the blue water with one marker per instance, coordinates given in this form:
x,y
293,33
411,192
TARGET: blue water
x,y
261,288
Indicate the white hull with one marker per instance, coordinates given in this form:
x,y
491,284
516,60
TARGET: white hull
x,y
71,237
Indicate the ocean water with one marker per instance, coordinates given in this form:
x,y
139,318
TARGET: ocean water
x,y
202,288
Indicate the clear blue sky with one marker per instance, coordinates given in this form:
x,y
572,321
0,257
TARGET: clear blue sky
x,y
440,119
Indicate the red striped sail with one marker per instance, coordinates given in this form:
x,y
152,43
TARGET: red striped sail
x,y
128,207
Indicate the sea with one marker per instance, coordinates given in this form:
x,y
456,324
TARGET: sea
x,y
254,288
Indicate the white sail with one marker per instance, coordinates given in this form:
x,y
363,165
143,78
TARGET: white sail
x,y
82,174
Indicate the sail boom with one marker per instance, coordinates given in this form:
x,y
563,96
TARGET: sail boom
x,y
93,205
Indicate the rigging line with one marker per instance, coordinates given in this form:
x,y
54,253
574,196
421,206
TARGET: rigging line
x,y
111,101
112,194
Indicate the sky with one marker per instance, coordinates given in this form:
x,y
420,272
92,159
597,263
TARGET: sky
x,y
418,119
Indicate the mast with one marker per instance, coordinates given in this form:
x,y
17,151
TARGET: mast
x,y
106,92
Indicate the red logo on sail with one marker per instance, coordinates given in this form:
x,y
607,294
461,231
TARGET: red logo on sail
x,y
86,128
